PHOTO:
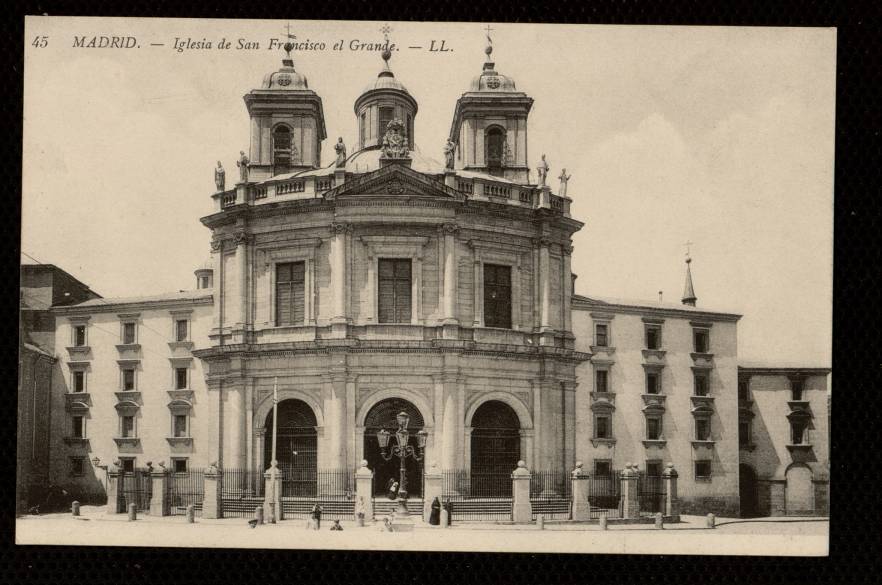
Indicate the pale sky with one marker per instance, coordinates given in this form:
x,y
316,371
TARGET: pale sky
x,y
720,136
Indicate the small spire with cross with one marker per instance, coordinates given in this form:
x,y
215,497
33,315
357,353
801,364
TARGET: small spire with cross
x,y
387,53
688,245
489,49
689,297
288,46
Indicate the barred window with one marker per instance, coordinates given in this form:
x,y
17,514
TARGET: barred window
x,y
80,335
128,333
652,385
128,379
702,340
180,425
601,334
601,381
702,469
281,148
179,465
702,429
497,296
79,381
653,337
653,428
394,284
602,426
78,427
290,293
181,326
701,384
127,426
180,378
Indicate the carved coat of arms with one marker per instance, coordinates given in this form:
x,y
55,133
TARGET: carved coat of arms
x,y
395,140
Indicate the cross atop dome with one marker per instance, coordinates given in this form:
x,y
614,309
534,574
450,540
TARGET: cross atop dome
x,y
489,49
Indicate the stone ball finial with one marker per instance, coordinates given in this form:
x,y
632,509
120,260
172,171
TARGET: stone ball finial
x,y
628,465
579,464
522,463
363,463
670,465
387,54
489,50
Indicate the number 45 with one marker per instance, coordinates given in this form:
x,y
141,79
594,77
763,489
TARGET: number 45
x,y
41,42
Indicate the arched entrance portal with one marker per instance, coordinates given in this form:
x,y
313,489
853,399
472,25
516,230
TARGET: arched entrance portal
x,y
296,446
747,491
496,449
382,416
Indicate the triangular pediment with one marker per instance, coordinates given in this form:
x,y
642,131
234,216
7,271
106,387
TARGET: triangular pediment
x,y
394,181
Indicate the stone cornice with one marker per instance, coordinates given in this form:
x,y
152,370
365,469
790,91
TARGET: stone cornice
x,y
141,305
586,304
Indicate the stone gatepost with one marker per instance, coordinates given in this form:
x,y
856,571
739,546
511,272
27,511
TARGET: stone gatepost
x,y
159,504
521,510
630,495
115,500
272,495
580,483
364,481
211,501
672,502
431,489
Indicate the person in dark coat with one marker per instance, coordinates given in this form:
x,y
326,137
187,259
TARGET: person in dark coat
x,y
317,516
435,516
449,508
392,488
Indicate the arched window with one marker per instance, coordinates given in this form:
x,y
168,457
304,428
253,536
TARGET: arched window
x,y
281,148
494,145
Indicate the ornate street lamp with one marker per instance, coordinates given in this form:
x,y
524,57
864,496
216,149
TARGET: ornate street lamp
x,y
402,450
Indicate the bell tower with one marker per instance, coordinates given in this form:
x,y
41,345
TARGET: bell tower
x,y
489,125
287,123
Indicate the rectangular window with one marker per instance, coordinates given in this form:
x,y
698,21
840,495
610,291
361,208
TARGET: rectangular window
x,y
80,335
180,425
77,466
701,338
394,298
602,427
702,429
796,388
602,467
179,465
290,293
702,469
128,464
653,337
79,381
744,432
181,330
653,468
701,384
127,426
601,335
743,389
497,296
797,432
653,428
78,427
386,116
180,378
128,379
652,383
128,333
601,381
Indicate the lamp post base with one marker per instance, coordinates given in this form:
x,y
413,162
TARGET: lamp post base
x,y
401,520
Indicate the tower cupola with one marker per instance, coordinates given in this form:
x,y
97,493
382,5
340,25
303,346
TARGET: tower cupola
x,y
287,123
383,100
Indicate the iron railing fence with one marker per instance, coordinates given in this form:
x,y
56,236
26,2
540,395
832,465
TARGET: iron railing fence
x,y
605,495
476,496
551,494
331,489
241,492
184,489
137,488
651,494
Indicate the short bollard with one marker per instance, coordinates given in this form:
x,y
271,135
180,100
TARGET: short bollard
x,y
133,512
711,521
603,522
75,508
191,514
540,521
258,514
659,520
445,518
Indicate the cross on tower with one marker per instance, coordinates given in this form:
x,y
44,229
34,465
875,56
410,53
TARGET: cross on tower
x,y
386,29
688,244
288,31
488,29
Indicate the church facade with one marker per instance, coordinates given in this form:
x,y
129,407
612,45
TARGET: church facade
x,y
387,282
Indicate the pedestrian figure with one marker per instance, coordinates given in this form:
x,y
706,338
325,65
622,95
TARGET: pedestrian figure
x,y
336,525
448,506
435,516
392,488
316,517
387,525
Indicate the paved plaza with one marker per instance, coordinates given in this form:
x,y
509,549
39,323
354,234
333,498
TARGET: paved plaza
x,y
780,536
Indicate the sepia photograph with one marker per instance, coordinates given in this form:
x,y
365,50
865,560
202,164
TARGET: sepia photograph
x,y
475,286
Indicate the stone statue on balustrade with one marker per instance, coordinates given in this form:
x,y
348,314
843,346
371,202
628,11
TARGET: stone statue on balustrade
x,y
543,169
340,149
242,163
220,177
449,149
564,178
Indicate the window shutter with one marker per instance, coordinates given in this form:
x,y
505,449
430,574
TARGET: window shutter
x,y
394,291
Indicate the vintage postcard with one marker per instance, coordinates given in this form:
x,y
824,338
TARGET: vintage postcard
x,y
473,286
